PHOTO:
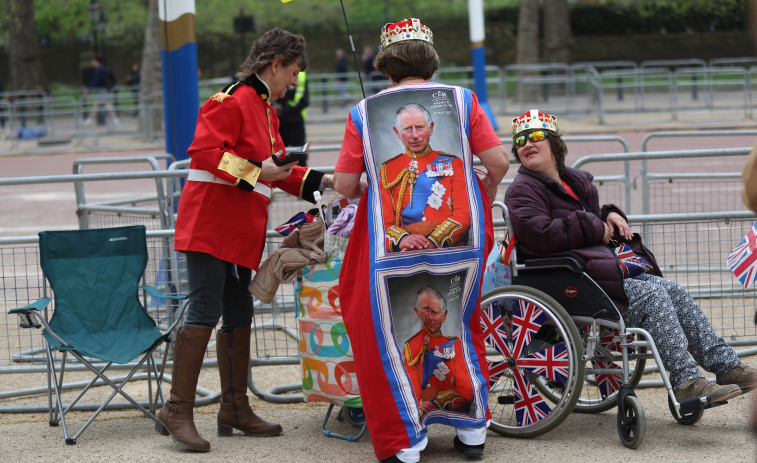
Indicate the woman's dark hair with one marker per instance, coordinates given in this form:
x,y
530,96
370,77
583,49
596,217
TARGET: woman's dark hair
x,y
556,143
276,43
409,58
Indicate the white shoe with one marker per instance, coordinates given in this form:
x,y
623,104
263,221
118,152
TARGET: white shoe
x,y
88,121
116,121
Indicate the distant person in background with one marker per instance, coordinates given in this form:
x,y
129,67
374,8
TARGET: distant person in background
x,y
370,72
341,69
368,56
101,84
132,80
292,112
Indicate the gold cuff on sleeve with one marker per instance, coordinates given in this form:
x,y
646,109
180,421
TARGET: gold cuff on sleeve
x,y
442,234
446,399
239,168
395,234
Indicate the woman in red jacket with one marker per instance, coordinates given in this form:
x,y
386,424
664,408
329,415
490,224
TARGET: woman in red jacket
x,y
221,227
555,210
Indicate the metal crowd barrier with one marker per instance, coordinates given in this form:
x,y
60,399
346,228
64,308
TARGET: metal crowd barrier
x,y
615,92
691,248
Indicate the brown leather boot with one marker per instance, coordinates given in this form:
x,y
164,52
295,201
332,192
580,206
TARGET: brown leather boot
x,y
176,416
234,366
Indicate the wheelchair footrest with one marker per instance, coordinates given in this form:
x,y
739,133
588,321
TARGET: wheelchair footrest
x,y
715,404
693,405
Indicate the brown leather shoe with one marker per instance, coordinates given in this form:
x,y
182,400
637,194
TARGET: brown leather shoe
x,y
701,387
740,375
233,366
176,418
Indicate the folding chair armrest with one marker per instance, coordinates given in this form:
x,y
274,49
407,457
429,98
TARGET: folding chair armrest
x,y
155,292
30,312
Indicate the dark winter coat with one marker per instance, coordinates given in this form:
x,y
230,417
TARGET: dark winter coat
x,y
547,221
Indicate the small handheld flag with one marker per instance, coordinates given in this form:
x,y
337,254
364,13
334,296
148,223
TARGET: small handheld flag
x,y
292,224
743,259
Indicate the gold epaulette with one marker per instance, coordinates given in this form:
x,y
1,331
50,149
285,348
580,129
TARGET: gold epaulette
x,y
226,92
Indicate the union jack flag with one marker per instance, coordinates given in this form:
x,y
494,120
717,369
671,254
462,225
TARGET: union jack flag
x,y
495,371
494,332
552,363
529,405
743,259
607,383
292,224
527,319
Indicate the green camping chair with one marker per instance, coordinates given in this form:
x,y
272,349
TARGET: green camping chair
x,y
98,317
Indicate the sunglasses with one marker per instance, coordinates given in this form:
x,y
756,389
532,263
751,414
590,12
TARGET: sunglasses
x,y
536,135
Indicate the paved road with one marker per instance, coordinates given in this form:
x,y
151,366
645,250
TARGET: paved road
x,y
722,435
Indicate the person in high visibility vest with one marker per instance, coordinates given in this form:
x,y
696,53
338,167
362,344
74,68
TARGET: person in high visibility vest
x,y
292,112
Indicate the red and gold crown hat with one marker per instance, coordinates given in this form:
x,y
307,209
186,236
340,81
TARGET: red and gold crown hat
x,y
408,29
533,119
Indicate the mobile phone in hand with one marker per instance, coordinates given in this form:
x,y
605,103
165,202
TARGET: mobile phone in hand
x,y
292,156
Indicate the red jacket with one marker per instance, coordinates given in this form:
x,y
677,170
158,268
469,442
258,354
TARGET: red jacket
x,y
224,220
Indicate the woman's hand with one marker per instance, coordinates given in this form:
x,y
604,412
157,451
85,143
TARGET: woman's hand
x,y
489,186
608,235
615,220
270,171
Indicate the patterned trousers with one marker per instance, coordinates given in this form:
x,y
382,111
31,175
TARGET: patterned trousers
x,y
677,325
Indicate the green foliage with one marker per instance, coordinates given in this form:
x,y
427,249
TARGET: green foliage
x,y
68,20
656,16
326,15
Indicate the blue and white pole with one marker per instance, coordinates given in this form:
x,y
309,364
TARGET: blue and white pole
x,y
477,34
181,94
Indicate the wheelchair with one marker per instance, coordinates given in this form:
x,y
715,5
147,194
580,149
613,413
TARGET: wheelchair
x,y
556,343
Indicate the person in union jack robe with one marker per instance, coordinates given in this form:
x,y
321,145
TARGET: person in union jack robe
x,y
377,283
439,375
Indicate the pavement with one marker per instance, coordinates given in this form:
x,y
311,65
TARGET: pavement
x,y
722,435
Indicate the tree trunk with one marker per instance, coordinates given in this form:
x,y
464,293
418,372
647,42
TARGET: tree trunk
x,y
527,49
558,42
558,39
151,77
24,60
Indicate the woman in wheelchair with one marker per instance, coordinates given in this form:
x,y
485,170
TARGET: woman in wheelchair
x,y
554,210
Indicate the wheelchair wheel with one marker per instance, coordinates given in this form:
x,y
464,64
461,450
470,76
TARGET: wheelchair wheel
x,y
632,431
688,419
604,373
532,346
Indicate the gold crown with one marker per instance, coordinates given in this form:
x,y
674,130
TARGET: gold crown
x,y
533,119
408,29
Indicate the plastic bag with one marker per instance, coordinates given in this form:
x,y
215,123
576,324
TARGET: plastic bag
x,y
497,272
